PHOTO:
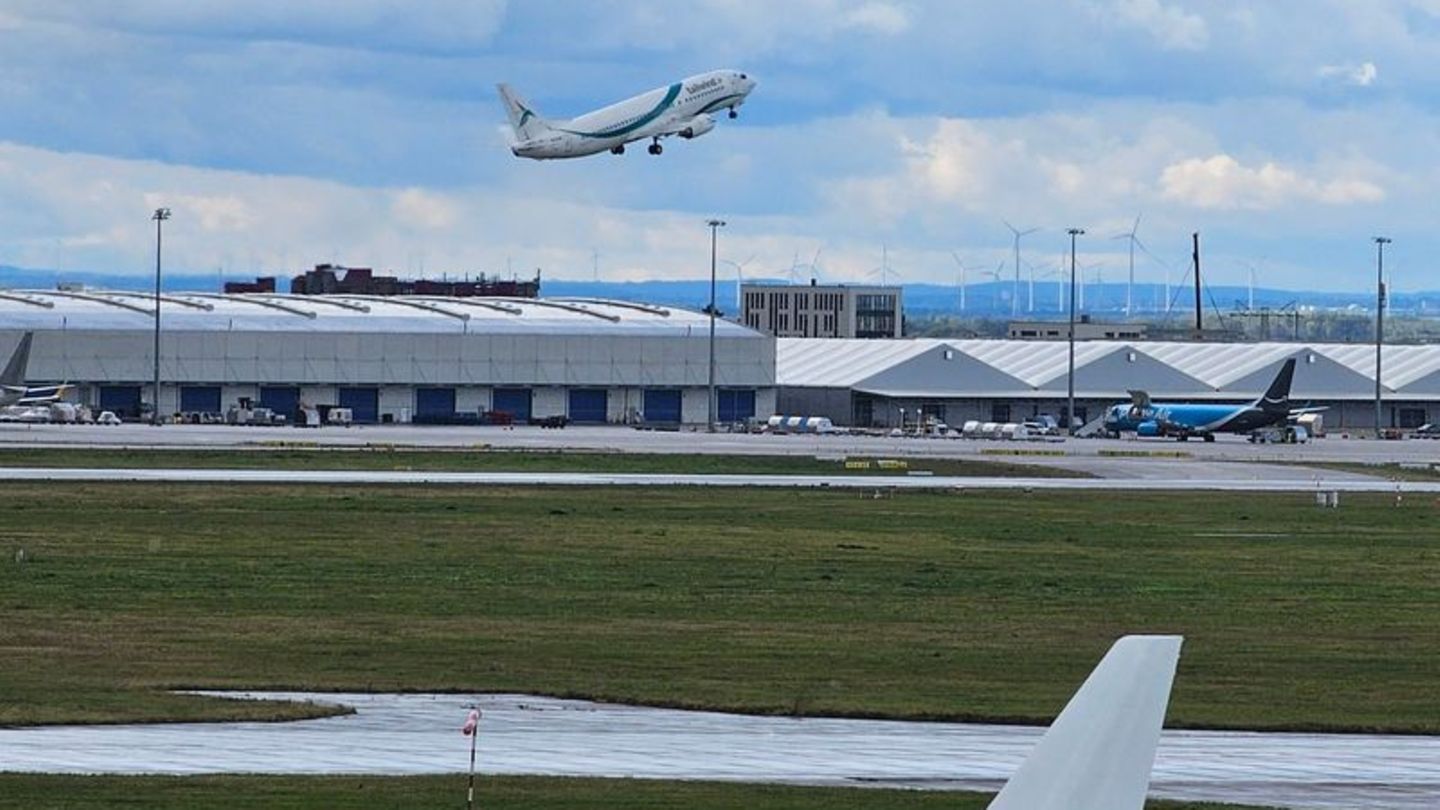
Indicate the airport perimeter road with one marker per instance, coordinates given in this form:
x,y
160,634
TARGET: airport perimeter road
x,y
1339,483
627,440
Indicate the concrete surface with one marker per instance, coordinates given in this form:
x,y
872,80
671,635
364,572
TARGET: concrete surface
x,y
417,734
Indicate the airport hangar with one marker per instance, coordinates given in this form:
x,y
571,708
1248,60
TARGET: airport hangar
x,y
872,382
393,359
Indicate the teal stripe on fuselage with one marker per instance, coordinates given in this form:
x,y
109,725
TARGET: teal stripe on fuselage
x,y
670,96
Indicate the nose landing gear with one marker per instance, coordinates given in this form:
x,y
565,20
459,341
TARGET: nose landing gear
x,y
734,114
655,148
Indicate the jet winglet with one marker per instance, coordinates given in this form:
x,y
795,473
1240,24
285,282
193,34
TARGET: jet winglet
x,y
14,374
1098,753
1141,399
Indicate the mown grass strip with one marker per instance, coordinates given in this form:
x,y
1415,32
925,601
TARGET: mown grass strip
x,y
988,606
493,793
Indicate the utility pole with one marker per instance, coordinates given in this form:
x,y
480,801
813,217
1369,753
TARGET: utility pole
x,y
1199,311
1380,243
715,226
1070,376
160,215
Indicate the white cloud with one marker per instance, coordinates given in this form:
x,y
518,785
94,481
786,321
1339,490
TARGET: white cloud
x,y
1171,26
880,18
1222,182
1361,75
424,210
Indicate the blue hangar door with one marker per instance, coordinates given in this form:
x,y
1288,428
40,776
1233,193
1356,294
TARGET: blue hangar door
x,y
588,405
200,398
282,399
662,405
514,401
735,406
121,400
364,404
434,403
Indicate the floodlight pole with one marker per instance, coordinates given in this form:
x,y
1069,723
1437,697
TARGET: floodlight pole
x,y
1070,374
160,215
715,226
1380,243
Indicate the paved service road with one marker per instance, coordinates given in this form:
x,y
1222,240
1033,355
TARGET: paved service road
x,y
622,439
417,734
1340,483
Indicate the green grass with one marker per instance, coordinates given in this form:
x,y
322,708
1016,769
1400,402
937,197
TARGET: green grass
x,y
481,459
510,793
922,605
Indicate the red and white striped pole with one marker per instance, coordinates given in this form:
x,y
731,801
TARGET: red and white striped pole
x,y
471,729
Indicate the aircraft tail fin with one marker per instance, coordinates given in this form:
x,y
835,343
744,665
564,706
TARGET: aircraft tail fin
x,y
1277,396
14,374
523,120
1098,753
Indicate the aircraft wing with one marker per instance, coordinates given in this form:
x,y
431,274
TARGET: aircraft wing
x,y
39,395
684,126
1294,412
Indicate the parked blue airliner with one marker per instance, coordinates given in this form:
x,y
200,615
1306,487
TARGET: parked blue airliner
x,y
1183,420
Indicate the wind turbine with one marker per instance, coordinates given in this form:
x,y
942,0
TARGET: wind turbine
x,y
964,287
1015,290
739,277
884,268
1130,285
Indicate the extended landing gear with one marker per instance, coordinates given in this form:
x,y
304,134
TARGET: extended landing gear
x,y
655,148
734,114
1209,437
618,150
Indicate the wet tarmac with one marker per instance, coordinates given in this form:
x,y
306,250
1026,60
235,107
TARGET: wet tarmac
x,y
419,734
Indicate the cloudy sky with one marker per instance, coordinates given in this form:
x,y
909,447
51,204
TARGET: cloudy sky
x,y
289,132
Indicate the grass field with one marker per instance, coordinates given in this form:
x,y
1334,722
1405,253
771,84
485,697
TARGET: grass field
x,y
922,605
482,460
511,793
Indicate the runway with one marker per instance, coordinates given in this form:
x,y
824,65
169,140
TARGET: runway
x,y
1337,483
419,734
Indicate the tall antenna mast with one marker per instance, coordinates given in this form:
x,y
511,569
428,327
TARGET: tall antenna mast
x,y
1199,311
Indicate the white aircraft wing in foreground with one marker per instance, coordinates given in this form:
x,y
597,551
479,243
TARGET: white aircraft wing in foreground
x,y
1098,753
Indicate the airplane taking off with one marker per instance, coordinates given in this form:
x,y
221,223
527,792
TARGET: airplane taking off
x,y
684,108
14,391
1099,752
1185,419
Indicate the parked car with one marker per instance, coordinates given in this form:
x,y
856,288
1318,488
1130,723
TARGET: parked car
x,y
1429,430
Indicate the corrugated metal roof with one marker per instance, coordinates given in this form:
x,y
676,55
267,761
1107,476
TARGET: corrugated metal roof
x,y
117,310
1215,368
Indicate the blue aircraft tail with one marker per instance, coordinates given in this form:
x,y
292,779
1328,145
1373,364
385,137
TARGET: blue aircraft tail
x,y
1277,396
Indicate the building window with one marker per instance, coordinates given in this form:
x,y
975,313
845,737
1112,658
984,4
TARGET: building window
x,y
1000,412
1412,417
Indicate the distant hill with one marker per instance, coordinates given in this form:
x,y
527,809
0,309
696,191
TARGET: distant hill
x,y
988,299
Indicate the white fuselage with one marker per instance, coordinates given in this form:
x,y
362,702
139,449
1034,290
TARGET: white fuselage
x,y
683,108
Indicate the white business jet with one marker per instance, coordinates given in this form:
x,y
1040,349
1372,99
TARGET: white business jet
x,y
685,108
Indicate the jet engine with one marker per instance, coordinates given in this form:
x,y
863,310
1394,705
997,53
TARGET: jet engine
x,y
697,126
1150,428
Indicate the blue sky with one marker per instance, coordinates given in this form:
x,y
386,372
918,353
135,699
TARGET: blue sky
x,y
367,132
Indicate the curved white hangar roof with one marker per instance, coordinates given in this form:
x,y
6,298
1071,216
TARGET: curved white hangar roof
x,y
949,369
112,310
